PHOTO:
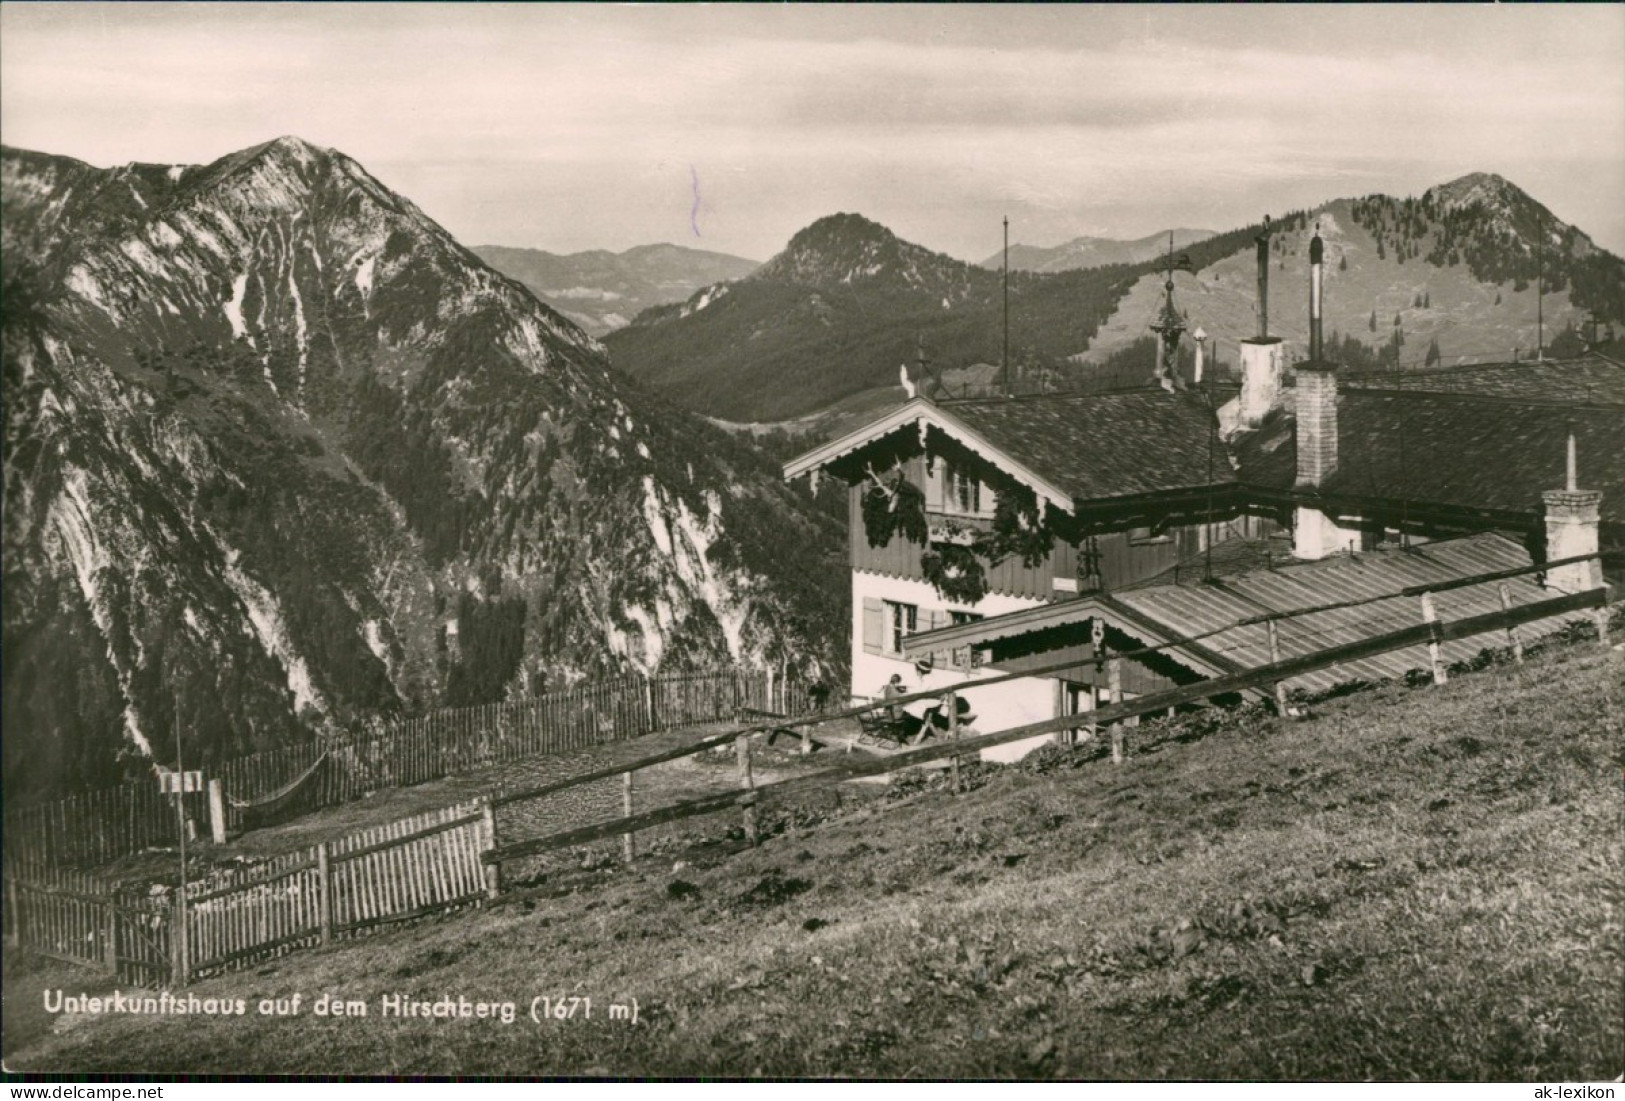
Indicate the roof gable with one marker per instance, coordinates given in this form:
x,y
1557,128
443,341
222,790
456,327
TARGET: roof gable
x,y
1101,446
920,415
1068,449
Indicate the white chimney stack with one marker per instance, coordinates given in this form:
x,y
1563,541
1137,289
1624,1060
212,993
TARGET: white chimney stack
x,y
1263,359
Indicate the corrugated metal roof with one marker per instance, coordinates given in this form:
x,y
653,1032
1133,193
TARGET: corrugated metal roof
x,y
1209,613
1187,610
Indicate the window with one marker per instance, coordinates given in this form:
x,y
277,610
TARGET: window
x,y
965,657
1138,536
902,620
953,489
962,493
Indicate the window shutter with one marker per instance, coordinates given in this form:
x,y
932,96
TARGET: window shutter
x,y
935,472
874,625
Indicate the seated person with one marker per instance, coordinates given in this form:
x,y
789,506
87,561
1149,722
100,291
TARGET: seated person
x,y
936,719
890,690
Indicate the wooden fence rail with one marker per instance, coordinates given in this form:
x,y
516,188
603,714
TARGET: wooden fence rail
x,y
452,857
1431,631
100,826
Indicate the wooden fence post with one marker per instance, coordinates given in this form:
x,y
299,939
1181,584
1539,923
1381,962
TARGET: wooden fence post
x,y
179,965
324,893
217,812
1602,625
493,872
1512,632
110,933
953,734
627,849
748,783
1114,682
649,699
1430,615
15,924
1275,657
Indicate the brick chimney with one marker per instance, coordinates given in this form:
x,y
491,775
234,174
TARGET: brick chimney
x,y
1314,533
1572,519
1317,422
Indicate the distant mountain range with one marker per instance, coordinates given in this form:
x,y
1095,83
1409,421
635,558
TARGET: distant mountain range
x,y
839,310
602,291
827,323
1093,252
1454,268
282,456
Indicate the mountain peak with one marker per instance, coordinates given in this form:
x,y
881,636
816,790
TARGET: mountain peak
x,y
1477,179
291,145
849,248
843,225
1477,187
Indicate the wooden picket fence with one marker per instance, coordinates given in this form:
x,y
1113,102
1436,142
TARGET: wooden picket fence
x,y
100,826
238,917
392,873
83,919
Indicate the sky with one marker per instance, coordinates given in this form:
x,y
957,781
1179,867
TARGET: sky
x,y
729,127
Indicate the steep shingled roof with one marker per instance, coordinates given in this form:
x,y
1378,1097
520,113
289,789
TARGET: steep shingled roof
x,y
1588,379
1489,437
1459,449
1100,446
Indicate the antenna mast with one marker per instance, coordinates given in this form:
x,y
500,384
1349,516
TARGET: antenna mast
x,y
1004,362
1540,288
1168,327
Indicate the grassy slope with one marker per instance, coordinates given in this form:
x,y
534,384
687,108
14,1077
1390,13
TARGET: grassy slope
x,y
1481,321
1416,884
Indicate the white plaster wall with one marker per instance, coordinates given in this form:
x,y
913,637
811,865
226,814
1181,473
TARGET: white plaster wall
x,y
1029,700
1316,535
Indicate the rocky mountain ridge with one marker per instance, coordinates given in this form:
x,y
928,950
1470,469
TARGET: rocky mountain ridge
x,y
282,456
